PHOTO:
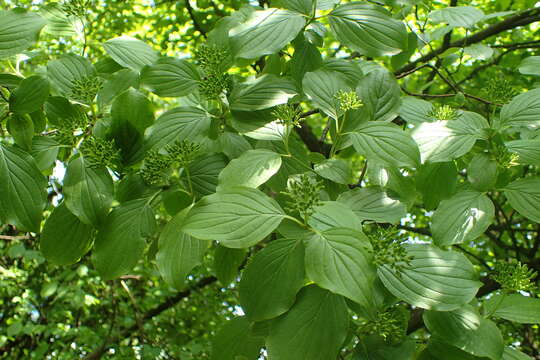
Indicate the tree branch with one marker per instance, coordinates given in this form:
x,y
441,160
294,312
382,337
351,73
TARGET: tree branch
x,y
196,23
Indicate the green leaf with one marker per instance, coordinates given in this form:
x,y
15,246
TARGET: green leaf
x,y
530,66
238,217
305,7
64,238
522,111
333,214
513,354
23,189
527,149
236,340
524,196
306,57
89,192
435,279
315,328
18,30
204,172
226,263
170,77
339,260
386,143
58,22
415,111
479,51
68,68
438,350
265,32
482,172
233,145
45,151
514,307
336,170
436,182
373,204
321,87
178,124
446,140
21,128
119,82
271,280
465,329
178,253
261,93
368,29
129,52
380,92
457,16
375,348
120,241
463,217
252,169
30,95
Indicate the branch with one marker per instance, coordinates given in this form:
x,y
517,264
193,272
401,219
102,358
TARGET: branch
x,y
313,144
196,23
20,237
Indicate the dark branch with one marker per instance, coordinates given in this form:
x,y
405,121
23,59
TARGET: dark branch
x,y
196,23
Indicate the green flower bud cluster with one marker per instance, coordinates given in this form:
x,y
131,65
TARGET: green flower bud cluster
x,y
304,193
85,89
215,81
388,249
69,126
210,57
98,152
182,152
505,158
287,115
514,276
348,100
155,168
76,8
500,90
443,112
390,325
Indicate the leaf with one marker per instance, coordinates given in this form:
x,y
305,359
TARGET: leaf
x,y
386,143
339,259
530,66
233,145
482,172
119,82
23,189
415,111
446,140
261,93
457,16
226,263
373,204
375,348
321,87
527,149
513,354
305,7
522,111
178,253
64,238
333,214
306,58
18,31
68,68
129,52
438,350
435,279
88,192
58,22
265,32
30,95
44,150
514,307
463,217
177,124
336,170
252,169
524,196
368,29
120,241
170,77
236,340
238,217
380,92
21,128
271,280
315,328
465,329
204,172
436,182
479,51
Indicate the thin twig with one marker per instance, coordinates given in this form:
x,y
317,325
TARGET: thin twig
x,y
196,23
20,237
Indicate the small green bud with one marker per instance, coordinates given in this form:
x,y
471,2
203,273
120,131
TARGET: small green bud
x,y
513,276
348,100
443,112
391,325
210,57
98,152
76,8
182,152
500,90
287,114
86,89
154,169
213,86
304,193
388,249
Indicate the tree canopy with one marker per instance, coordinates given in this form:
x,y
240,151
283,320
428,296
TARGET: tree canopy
x,y
272,179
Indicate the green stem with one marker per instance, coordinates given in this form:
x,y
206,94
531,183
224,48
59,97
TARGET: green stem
x,y
188,176
339,128
501,299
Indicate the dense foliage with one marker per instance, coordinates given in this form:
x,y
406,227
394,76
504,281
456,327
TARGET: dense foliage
x,y
294,179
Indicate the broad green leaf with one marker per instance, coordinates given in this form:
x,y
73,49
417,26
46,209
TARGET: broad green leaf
x,y
21,128
315,328
386,143
368,29
446,140
415,111
461,218
457,16
465,329
58,22
30,95
237,217
64,238
482,172
375,348
129,52
527,149
88,192
10,81
334,169
530,66
514,307
339,260
305,7
177,124
513,354
61,112
259,125
321,87
252,169
18,30
45,151
373,204
435,279
178,253
170,77
306,57
261,93
233,145
333,214
380,92
23,189
265,32
63,71
524,196
438,350
271,280
479,51
236,340
204,172
119,82
522,111
436,182
226,263
120,242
